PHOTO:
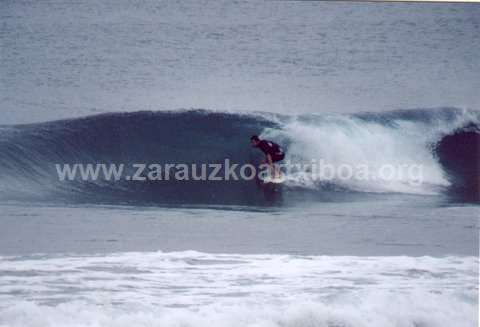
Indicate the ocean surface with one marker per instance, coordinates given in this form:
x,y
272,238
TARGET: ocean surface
x,y
61,59
126,82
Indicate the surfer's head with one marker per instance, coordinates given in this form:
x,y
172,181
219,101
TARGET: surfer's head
x,y
254,140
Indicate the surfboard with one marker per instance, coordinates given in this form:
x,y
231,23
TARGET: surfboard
x,y
269,179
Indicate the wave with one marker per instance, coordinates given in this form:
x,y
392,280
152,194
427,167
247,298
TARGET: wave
x,y
444,142
373,310
171,289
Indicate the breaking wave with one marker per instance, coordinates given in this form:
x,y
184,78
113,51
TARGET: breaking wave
x,y
444,141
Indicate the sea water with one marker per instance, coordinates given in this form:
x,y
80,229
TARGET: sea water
x,y
326,80
396,261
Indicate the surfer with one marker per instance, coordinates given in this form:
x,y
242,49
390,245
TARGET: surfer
x,y
273,153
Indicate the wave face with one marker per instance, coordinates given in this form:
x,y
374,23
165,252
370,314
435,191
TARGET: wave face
x,y
444,142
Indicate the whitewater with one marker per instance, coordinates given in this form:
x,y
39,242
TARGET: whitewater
x,y
341,260
198,289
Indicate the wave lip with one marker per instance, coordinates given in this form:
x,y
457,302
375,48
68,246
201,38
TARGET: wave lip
x,y
426,137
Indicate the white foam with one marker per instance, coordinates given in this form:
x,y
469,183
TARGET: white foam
x,y
199,289
341,140
373,310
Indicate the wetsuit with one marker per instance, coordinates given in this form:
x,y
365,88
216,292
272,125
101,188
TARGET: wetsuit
x,y
273,149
